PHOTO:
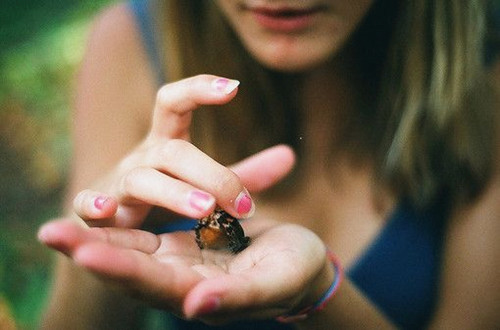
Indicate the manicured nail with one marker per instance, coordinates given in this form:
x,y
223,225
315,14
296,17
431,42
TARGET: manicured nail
x,y
200,200
224,85
208,306
244,205
99,202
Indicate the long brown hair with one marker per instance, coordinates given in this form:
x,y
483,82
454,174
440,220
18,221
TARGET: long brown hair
x,y
428,121
200,41
441,120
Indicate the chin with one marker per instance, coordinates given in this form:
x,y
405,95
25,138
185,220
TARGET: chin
x,y
292,65
293,55
292,62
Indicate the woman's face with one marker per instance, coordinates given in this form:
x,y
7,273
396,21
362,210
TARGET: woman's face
x,y
294,35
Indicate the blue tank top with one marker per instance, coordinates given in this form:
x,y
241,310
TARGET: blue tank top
x,y
399,272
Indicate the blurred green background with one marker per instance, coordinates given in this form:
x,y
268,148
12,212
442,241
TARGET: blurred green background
x,y
41,45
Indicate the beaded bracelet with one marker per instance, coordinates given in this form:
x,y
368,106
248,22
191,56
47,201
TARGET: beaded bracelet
x,y
321,303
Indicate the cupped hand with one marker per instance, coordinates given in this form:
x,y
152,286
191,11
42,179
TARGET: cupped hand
x,y
167,171
281,270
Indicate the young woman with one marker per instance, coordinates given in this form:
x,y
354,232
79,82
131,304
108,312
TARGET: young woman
x,y
361,129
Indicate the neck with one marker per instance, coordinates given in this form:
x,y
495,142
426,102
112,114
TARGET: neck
x,y
328,105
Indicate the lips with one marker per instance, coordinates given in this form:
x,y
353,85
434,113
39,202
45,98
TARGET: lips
x,y
285,12
285,19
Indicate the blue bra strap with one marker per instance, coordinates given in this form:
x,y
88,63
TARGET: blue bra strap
x,y
142,13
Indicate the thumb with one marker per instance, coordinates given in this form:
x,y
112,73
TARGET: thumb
x,y
264,169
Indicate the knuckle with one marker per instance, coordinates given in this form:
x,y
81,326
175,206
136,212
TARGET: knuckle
x,y
126,164
135,158
226,180
194,86
130,181
198,79
163,95
173,149
203,84
165,92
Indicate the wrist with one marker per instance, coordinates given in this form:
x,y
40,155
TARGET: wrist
x,y
320,285
323,288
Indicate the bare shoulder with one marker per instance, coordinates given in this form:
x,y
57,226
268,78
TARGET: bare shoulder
x,y
115,59
115,95
115,29
470,294
470,291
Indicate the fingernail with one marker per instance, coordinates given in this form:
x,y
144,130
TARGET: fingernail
x,y
208,306
99,202
224,85
45,232
42,234
201,201
244,205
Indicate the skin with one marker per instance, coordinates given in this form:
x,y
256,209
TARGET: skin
x,y
296,50
115,94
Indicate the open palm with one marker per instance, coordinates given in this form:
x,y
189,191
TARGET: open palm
x,y
169,271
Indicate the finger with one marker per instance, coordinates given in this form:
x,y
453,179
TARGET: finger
x,y
67,236
266,168
176,101
182,160
62,235
92,205
266,290
291,273
152,187
161,284
136,239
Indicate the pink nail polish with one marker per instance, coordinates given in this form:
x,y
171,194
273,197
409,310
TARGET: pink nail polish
x,y
244,205
200,200
209,305
224,85
99,202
